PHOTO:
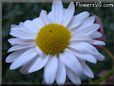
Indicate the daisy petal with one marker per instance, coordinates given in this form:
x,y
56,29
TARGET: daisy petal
x,y
14,41
89,21
68,59
96,35
99,57
38,64
23,59
50,70
43,16
91,29
13,56
85,31
30,25
78,19
38,50
22,35
51,17
57,11
13,25
80,38
69,12
38,22
61,74
21,29
18,47
87,57
86,70
84,47
99,43
75,79
24,69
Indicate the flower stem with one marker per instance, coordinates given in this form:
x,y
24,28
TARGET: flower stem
x,y
108,52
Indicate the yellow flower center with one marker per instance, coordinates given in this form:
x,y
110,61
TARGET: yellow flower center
x,y
52,39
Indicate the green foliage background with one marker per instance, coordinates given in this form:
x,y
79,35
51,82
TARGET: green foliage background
x,y
13,13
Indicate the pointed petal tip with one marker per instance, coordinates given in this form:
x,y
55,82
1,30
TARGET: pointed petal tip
x,y
30,71
103,43
9,40
94,62
101,57
92,76
86,12
9,51
96,25
54,1
93,16
12,67
6,60
72,4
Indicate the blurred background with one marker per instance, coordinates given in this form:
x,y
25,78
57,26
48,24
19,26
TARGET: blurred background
x,y
13,13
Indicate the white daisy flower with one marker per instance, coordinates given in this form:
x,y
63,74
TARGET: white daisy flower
x,y
60,42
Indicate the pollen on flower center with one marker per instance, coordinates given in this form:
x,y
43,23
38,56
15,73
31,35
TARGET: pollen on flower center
x,y
52,39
